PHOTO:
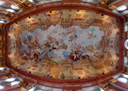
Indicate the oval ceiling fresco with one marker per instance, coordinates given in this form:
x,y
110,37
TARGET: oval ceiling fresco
x,y
65,44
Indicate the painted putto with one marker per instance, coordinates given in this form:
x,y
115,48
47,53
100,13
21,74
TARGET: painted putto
x,y
65,44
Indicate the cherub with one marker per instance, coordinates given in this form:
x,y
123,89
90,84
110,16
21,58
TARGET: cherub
x,y
91,34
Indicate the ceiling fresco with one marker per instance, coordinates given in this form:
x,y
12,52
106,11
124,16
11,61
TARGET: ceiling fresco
x,y
65,44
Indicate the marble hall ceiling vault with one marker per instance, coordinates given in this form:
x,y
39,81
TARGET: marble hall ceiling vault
x,y
63,41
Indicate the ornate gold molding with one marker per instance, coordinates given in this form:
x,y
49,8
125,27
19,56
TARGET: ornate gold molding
x,y
7,19
111,89
104,1
113,80
113,7
98,6
124,51
1,25
104,79
23,4
105,84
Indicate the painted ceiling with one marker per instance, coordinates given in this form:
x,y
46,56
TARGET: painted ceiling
x,y
65,44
